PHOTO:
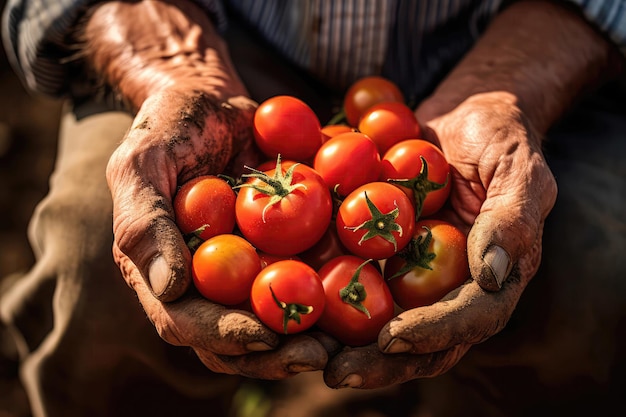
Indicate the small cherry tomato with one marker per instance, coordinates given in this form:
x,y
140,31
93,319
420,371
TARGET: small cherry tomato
x,y
432,265
205,205
348,161
268,259
375,221
423,172
330,131
288,296
366,92
224,267
389,123
358,301
327,248
271,164
287,126
284,212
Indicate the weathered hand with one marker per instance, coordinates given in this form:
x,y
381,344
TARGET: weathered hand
x,y
175,137
193,117
502,192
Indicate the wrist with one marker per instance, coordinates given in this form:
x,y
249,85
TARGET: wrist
x,y
176,47
541,54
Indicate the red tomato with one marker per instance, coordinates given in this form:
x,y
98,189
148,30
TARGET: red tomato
x,y
287,126
205,205
327,248
284,212
224,267
271,164
388,123
288,296
375,221
427,184
268,259
330,131
358,301
348,161
366,92
432,265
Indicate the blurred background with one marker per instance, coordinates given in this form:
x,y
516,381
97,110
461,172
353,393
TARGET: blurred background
x,y
28,127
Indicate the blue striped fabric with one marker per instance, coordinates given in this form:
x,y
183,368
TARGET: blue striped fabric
x,y
609,16
413,42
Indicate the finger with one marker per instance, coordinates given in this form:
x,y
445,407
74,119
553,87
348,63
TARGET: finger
x,y
467,315
144,228
369,368
519,198
332,345
295,354
173,139
203,325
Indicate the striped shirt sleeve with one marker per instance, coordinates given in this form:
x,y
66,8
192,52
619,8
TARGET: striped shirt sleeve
x,y
609,16
37,40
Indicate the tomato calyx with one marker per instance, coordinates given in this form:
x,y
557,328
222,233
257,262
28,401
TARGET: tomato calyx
x,y
291,311
276,187
416,254
193,239
421,186
354,293
380,224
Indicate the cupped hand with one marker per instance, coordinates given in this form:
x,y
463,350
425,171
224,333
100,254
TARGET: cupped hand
x,y
502,193
178,135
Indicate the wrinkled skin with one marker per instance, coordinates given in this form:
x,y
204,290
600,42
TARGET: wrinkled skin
x,y
489,131
488,116
485,141
193,118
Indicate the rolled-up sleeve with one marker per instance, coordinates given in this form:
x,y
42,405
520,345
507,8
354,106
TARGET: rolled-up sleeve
x,y
607,15
38,41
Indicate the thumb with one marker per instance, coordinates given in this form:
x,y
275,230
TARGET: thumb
x,y
490,245
508,228
145,233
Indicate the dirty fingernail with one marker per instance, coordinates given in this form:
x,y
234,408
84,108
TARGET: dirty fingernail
x,y
351,381
397,345
258,346
159,275
299,367
499,262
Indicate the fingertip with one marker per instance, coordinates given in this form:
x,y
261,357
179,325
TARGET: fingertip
x,y
165,282
495,267
158,276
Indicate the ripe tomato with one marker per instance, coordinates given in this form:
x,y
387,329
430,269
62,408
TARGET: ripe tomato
x,y
366,92
432,265
348,161
330,131
388,123
271,164
283,212
287,126
423,172
358,301
375,221
224,267
205,205
288,296
327,248
268,259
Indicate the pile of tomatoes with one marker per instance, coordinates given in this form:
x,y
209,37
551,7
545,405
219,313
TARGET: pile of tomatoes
x,y
338,229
